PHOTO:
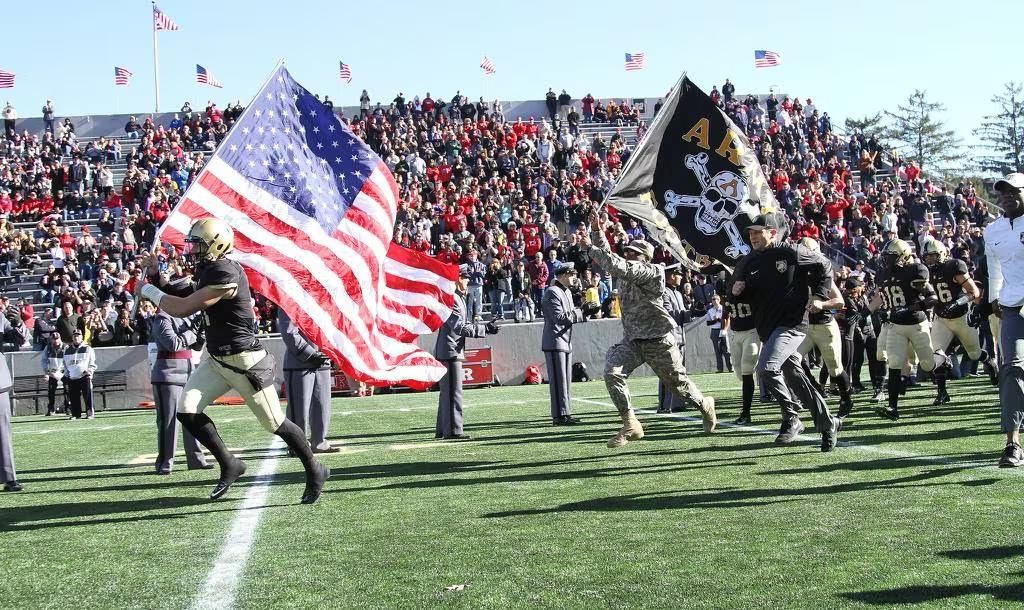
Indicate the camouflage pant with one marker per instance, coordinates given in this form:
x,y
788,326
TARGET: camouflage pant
x,y
662,355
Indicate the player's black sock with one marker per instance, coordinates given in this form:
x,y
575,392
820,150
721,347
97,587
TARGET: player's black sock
x,y
895,381
201,427
293,436
843,382
748,394
941,382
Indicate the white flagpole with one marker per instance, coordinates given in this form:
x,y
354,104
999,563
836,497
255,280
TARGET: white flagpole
x,y
156,60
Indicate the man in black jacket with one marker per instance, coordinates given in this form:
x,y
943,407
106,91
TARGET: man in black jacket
x,y
783,282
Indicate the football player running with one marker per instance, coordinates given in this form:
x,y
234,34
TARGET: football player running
x,y
237,360
907,295
955,290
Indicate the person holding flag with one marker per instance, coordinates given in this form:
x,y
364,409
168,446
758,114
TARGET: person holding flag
x,y
648,333
238,361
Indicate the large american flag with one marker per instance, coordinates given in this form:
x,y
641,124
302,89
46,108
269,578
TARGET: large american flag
x,y
313,210
6,80
161,21
205,77
767,59
121,75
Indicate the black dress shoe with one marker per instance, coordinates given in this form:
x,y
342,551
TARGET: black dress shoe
x,y
565,420
13,486
315,484
228,476
329,449
457,437
201,467
163,471
742,420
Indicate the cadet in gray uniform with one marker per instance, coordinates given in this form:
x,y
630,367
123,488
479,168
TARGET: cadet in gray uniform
x,y
556,340
10,478
648,333
307,381
450,349
675,307
175,338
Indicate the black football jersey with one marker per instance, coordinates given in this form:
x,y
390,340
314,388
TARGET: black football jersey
x,y
948,289
903,288
741,315
230,322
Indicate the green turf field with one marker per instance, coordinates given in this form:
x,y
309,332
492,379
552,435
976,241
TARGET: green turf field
x,y
527,515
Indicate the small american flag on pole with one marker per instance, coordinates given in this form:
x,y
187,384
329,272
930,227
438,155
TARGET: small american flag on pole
x,y
121,75
6,80
313,210
487,65
767,59
161,21
345,72
634,61
205,77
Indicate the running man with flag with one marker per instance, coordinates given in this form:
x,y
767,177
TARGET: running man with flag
x,y
296,206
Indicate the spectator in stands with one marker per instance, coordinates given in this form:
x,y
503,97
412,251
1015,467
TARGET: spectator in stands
x,y
551,101
69,322
10,121
132,128
48,117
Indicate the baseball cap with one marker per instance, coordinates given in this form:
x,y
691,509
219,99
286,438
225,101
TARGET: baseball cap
x,y
566,268
1016,180
463,270
642,247
769,220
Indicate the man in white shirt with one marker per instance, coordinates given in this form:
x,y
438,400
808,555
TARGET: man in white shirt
x,y
80,365
1004,246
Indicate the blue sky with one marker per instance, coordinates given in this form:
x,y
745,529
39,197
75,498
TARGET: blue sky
x,y
853,58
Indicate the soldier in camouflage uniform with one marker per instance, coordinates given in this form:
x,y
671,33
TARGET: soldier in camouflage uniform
x,y
648,333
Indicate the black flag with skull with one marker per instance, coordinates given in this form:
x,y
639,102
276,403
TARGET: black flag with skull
x,y
694,181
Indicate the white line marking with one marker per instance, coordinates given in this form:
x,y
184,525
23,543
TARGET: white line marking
x,y
222,581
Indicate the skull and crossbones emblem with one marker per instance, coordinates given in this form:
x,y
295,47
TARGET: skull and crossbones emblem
x,y
721,199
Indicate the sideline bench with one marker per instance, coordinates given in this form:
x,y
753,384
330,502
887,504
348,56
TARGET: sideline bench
x,y
35,388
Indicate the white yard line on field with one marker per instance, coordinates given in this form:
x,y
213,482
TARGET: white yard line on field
x,y
842,443
222,581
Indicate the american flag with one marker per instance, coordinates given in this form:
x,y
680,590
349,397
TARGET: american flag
x,y
206,77
313,210
767,59
121,75
6,80
161,21
634,61
345,72
487,65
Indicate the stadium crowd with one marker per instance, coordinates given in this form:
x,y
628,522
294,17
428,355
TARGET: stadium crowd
x,y
506,197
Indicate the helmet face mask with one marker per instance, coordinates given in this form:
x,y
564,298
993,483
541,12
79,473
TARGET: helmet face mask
x,y
897,253
208,240
935,252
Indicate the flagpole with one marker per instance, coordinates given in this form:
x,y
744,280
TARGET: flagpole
x,y
156,61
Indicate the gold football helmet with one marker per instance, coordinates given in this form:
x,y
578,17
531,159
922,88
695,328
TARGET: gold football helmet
x,y
897,253
208,240
934,252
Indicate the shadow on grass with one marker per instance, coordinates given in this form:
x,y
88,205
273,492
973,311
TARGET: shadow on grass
x,y
79,514
992,552
919,594
729,497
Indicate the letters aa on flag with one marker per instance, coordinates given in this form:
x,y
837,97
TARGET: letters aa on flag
x,y
313,210
694,181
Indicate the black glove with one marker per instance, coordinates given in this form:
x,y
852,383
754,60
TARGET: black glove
x,y
590,308
491,328
957,308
